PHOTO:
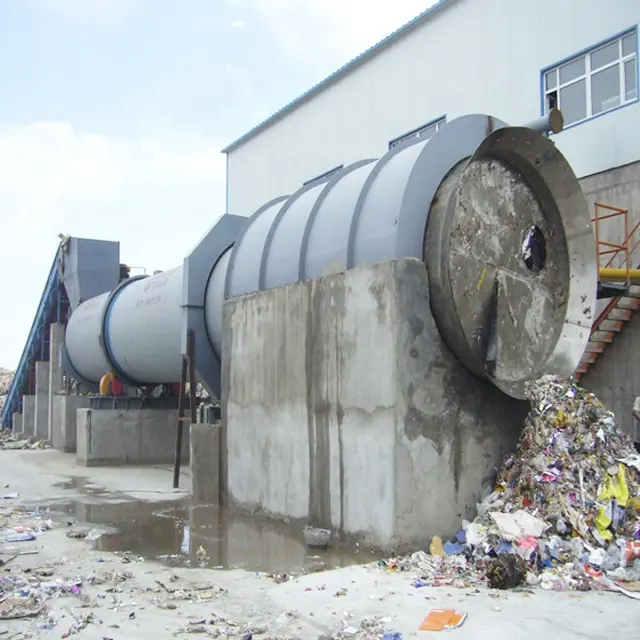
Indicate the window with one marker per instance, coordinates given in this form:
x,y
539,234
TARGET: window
x,y
601,79
425,132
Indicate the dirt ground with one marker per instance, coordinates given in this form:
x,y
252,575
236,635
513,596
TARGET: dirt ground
x,y
97,594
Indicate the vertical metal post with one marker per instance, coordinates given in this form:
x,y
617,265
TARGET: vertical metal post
x,y
597,230
626,246
178,448
188,372
193,384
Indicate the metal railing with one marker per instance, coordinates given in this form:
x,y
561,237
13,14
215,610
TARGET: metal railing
x,y
620,254
35,339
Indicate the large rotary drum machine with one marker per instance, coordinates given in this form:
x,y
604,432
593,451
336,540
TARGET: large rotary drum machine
x,y
495,212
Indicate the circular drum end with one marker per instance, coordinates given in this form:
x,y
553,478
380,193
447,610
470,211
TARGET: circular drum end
x,y
513,282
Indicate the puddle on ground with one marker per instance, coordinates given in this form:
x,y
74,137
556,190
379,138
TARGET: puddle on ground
x,y
83,485
182,534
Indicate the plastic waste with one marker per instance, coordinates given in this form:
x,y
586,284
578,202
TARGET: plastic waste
x,y
20,537
513,526
436,547
566,504
453,548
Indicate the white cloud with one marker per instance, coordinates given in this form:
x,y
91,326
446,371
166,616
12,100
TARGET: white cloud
x,y
238,24
154,196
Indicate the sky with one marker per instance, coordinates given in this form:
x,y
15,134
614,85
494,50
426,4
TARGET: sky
x,y
113,114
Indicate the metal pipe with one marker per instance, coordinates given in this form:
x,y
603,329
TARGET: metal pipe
x,y
610,274
552,122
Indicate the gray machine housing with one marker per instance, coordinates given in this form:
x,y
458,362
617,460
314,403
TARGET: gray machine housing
x,y
368,212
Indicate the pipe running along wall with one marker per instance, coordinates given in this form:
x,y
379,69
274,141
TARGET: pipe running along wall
x,y
495,212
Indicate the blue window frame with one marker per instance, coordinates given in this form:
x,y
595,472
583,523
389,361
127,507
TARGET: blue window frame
x,y
595,81
424,132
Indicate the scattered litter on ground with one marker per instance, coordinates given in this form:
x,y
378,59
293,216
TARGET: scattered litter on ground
x,y
24,536
564,513
366,629
442,619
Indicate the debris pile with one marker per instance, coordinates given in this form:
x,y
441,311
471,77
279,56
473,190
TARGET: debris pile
x,y
6,377
8,441
565,510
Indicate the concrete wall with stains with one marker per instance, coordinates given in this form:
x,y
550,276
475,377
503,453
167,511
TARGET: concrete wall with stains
x,y
344,409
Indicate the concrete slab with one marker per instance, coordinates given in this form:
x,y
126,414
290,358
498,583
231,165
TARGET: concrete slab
x,y
128,436
65,425
304,607
343,408
205,462
47,475
41,428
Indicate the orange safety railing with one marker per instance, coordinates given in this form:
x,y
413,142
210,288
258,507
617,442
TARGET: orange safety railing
x,y
619,253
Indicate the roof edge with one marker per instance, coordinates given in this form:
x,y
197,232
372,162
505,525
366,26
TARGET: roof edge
x,y
343,70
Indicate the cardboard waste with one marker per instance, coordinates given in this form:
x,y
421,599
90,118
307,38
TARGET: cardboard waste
x,y
565,510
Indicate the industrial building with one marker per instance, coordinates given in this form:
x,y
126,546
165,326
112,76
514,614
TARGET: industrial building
x,y
516,60
388,276
511,59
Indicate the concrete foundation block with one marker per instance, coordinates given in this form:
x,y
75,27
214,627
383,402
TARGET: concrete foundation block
x,y
344,409
16,425
41,429
28,416
205,462
64,421
56,340
128,436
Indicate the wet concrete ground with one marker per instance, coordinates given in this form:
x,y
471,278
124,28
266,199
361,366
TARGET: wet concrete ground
x,y
182,534
179,533
154,600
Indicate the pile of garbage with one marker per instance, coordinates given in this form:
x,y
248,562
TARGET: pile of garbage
x,y
6,377
565,510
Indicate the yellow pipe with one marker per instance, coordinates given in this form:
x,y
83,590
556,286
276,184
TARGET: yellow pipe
x,y
609,274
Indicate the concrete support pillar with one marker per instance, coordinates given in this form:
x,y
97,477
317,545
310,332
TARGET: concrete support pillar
x,y
342,407
16,424
205,463
28,416
56,340
128,436
41,429
64,421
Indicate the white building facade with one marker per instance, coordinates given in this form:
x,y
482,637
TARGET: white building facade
x,y
509,59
